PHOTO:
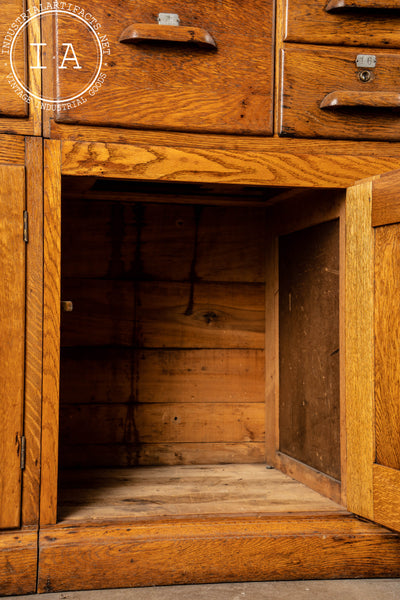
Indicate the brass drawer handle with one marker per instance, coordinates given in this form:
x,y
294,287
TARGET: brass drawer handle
x,y
149,32
67,305
350,99
350,5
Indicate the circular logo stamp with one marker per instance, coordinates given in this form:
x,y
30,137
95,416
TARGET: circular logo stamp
x,y
69,59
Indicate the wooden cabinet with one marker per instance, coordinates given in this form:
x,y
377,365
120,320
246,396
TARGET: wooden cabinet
x,y
203,359
212,71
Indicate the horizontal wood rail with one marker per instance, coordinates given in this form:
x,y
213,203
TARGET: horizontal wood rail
x,y
354,99
149,32
361,5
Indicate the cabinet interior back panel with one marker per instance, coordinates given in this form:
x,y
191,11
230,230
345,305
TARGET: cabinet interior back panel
x,y
309,346
163,354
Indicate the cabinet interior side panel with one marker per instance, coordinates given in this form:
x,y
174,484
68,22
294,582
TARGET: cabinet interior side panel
x,y
163,354
309,405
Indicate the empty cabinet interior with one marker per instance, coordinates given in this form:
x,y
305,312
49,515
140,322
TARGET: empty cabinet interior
x,y
173,326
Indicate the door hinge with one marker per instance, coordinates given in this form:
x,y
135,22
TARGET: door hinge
x,y
23,452
26,226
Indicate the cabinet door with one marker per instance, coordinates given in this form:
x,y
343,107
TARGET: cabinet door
x,y
373,349
12,336
12,104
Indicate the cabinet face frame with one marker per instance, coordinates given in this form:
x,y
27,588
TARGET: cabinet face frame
x,y
175,164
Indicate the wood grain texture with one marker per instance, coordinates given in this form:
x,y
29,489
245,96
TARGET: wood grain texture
x,y
309,22
18,562
11,103
386,199
180,88
220,166
217,550
88,456
33,352
12,350
156,315
110,375
387,347
386,496
141,493
303,91
163,423
309,347
359,349
51,331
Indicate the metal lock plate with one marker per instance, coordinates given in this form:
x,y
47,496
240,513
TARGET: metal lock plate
x,y
168,19
366,61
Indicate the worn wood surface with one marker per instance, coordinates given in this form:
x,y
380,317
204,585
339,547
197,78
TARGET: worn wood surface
x,y
12,349
309,22
144,492
387,346
386,496
386,199
303,90
18,562
359,349
217,550
12,104
33,352
167,87
109,375
51,331
309,347
186,164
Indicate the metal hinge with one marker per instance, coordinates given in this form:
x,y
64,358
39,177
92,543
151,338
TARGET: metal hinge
x,y
23,452
26,226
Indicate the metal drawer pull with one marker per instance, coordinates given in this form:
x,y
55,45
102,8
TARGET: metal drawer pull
x,y
167,30
350,99
350,5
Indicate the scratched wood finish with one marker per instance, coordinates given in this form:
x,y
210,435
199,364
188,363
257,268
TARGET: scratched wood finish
x,y
34,310
18,562
89,456
308,22
100,494
227,89
303,90
387,347
110,375
51,331
309,347
217,550
249,167
386,199
12,319
359,349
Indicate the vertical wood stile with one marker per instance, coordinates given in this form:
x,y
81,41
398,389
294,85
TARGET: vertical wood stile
x,y
359,349
51,330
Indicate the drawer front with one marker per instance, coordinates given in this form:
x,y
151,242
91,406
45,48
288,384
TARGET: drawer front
x,y
174,84
11,104
344,22
326,95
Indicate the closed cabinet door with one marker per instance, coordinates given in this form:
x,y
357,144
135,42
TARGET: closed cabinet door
x,y
373,349
12,344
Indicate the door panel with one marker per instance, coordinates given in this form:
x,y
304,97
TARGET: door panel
x,y
373,351
12,332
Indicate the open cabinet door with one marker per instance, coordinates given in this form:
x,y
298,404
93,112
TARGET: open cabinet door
x,y
12,340
372,316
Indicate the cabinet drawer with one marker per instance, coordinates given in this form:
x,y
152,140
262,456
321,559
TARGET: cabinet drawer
x,y
344,22
324,96
11,105
173,84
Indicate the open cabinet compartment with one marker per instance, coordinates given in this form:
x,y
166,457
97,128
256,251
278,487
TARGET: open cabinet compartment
x,y
168,354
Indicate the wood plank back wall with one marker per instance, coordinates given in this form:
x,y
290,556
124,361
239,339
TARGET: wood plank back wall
x,y
163,354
